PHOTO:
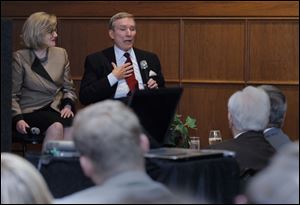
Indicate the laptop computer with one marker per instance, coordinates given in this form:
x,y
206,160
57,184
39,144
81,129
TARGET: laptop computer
x,y
156,110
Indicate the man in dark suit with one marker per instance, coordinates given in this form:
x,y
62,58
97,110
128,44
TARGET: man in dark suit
x,y
274,134
107,73
248,115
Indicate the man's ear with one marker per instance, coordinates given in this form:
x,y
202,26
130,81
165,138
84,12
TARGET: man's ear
x,y
111,34
87,166
144,143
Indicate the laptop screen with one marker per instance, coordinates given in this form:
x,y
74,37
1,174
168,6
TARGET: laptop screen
x,y
155,110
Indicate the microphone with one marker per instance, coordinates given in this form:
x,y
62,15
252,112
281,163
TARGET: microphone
x,y
33,130
144,66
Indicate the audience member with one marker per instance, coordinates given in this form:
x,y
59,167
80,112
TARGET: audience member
x,y
109,74
274,134
109,138
279,182
248,115
21,183
43,93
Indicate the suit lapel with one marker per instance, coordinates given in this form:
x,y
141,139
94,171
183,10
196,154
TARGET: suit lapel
x,y
139,57
38,68
110,55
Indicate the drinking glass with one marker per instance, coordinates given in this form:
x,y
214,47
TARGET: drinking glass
x,y
195,143
214,137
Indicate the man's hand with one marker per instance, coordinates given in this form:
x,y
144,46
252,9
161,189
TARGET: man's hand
x,y
123,71
152,84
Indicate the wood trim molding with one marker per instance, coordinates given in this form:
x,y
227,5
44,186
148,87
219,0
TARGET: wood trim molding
x,y
213,82
153,8
296,83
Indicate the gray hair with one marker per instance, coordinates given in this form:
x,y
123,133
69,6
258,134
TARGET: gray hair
x,y
278,105
118,16
279,182
108,133
21,183
36,27
249,109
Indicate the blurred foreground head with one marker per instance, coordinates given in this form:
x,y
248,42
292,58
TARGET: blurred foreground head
x,y
108,134
279,182
21,183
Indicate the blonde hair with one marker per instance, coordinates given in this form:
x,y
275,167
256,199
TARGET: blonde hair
x,y
21,183
36,27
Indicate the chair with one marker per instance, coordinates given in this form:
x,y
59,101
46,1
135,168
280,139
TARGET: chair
x,y
26,139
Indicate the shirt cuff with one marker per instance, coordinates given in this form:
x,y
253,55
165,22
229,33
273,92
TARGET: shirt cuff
x,y
112,79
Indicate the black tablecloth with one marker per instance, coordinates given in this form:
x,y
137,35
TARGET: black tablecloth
x,y
215,180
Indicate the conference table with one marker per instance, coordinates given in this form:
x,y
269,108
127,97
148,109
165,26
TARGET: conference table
x,y
210,179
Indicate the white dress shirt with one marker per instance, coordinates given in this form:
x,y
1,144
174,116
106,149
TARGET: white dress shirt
x,y
122,88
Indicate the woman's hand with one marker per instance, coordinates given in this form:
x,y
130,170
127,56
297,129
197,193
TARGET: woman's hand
x,y
21,126
66,112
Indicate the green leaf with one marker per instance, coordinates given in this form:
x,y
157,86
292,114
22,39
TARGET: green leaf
x,y
190,122
177,120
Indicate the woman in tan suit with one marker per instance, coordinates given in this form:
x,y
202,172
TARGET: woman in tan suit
x,y
43,92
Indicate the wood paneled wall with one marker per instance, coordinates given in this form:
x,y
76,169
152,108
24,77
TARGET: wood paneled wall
x,y
211,48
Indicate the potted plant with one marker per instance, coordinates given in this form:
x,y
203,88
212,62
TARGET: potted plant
x,y
179,131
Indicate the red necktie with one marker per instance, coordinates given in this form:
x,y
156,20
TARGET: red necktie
x,y
131,81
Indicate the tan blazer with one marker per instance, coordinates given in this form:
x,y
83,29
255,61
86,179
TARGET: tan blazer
x,y
31,89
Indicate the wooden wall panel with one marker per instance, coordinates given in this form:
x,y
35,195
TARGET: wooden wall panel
x,y
274,50
208,104
291,124
82,37
17,29
214,50
161,37
77,87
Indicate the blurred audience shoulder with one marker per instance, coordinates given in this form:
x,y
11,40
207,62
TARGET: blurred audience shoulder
x,y
279,182
21,183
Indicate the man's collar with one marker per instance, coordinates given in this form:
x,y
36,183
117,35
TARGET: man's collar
x,y
239,134
120,53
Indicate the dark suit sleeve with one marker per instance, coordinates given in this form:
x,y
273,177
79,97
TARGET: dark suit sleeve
x,y
94,85
157,69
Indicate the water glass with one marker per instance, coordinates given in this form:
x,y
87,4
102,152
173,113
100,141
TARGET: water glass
x,y
214,137
195,143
